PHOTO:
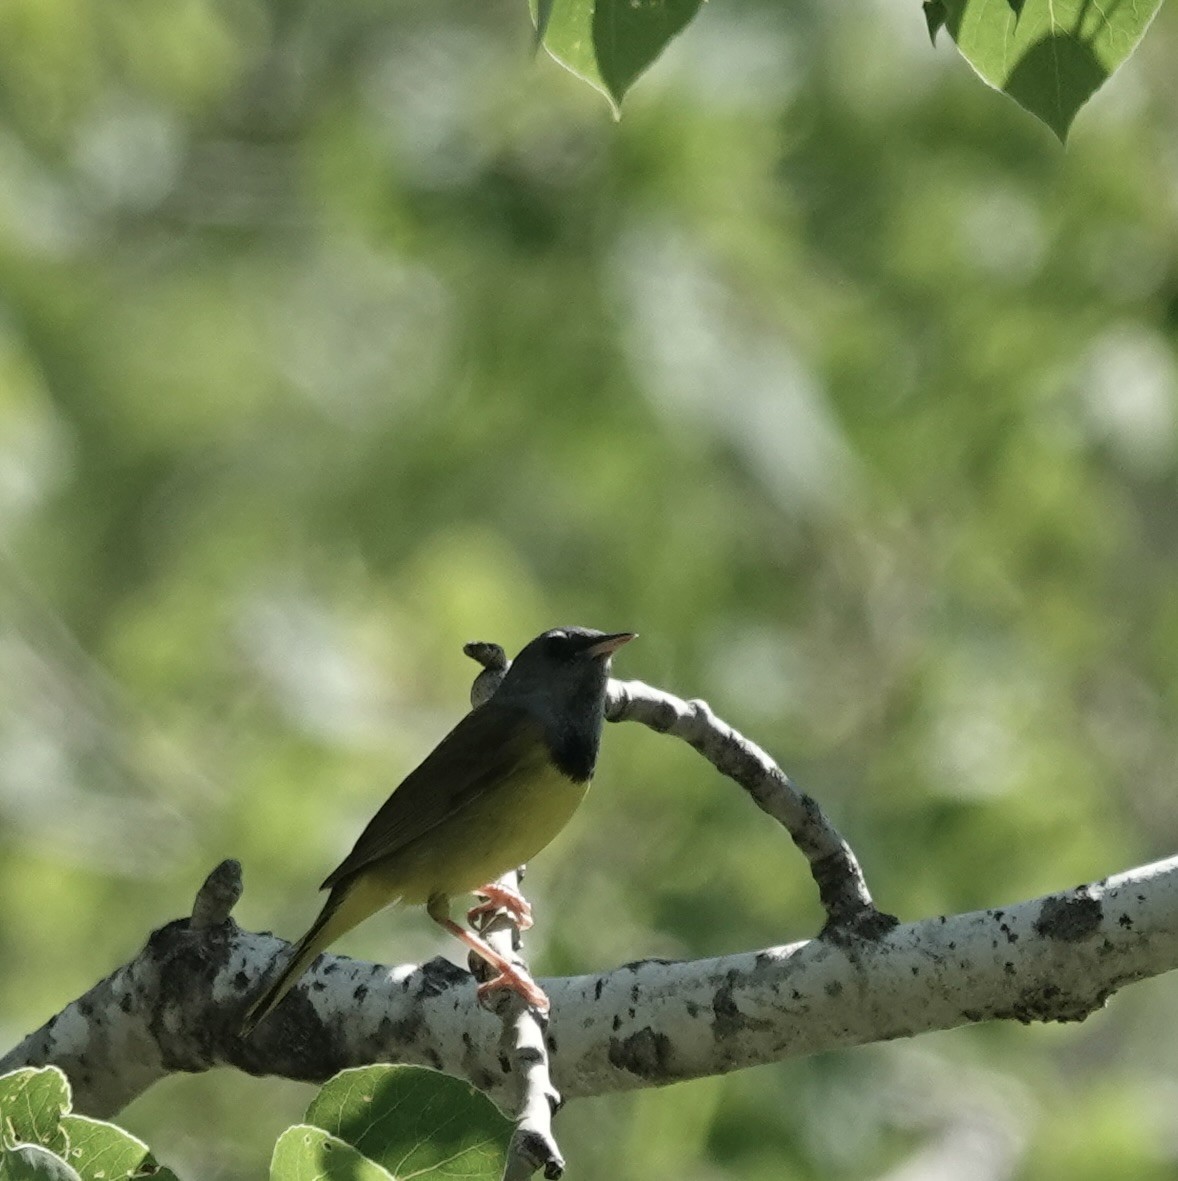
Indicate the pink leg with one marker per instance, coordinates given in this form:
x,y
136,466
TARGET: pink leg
x,y
501,897
509,975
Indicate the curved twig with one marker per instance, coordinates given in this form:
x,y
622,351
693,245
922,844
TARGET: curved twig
x,y
842,887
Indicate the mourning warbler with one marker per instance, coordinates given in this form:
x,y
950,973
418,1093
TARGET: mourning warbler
x,y
488,798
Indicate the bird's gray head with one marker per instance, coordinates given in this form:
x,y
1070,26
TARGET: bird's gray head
x,y
560,679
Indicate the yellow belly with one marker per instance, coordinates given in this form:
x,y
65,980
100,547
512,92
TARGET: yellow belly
x,y
499,830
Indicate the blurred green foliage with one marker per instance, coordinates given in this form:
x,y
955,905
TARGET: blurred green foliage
x,y
332,336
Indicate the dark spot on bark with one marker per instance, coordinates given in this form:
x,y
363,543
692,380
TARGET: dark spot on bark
x,y
598,988
971,1014
528,1056
833,988
360,992
242,980
1125,921
646,1054
189,962
1050,1003
952,945
317,985
163,937
1008,968
915,970
329,967
617,1023
504,1064
468,1041
125,1002
861,924
727,1019
439,975
483,1079
634,965
692,1009
634,994
432,1057
550,1042
1071,918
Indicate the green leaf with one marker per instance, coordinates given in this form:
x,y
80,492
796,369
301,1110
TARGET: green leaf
x,y
542,14
610,43
32,1102
1050,56
415,1121
934,18
32,1162
304,1153
104,1152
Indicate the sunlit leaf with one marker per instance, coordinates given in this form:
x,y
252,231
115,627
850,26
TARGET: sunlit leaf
x,y
32,1103
414,1121
610,43
103,1151
304,1153
1050,56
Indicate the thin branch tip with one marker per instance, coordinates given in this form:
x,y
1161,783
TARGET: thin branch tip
x,y
529,1151
218,895
842,887
495,665
491,656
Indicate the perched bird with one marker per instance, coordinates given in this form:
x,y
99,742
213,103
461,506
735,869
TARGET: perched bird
x,y
488,798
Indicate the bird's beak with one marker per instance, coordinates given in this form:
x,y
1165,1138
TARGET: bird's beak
x,y
608,645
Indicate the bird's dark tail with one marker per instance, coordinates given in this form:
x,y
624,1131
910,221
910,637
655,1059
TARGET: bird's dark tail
x,y
348,904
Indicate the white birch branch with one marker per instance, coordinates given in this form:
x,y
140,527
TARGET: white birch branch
x,y
176,1006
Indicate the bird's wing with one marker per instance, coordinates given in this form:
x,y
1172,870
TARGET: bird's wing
x,y
480,752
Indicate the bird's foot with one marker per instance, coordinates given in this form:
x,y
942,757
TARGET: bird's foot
x,y
500,897
519,982
509,975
